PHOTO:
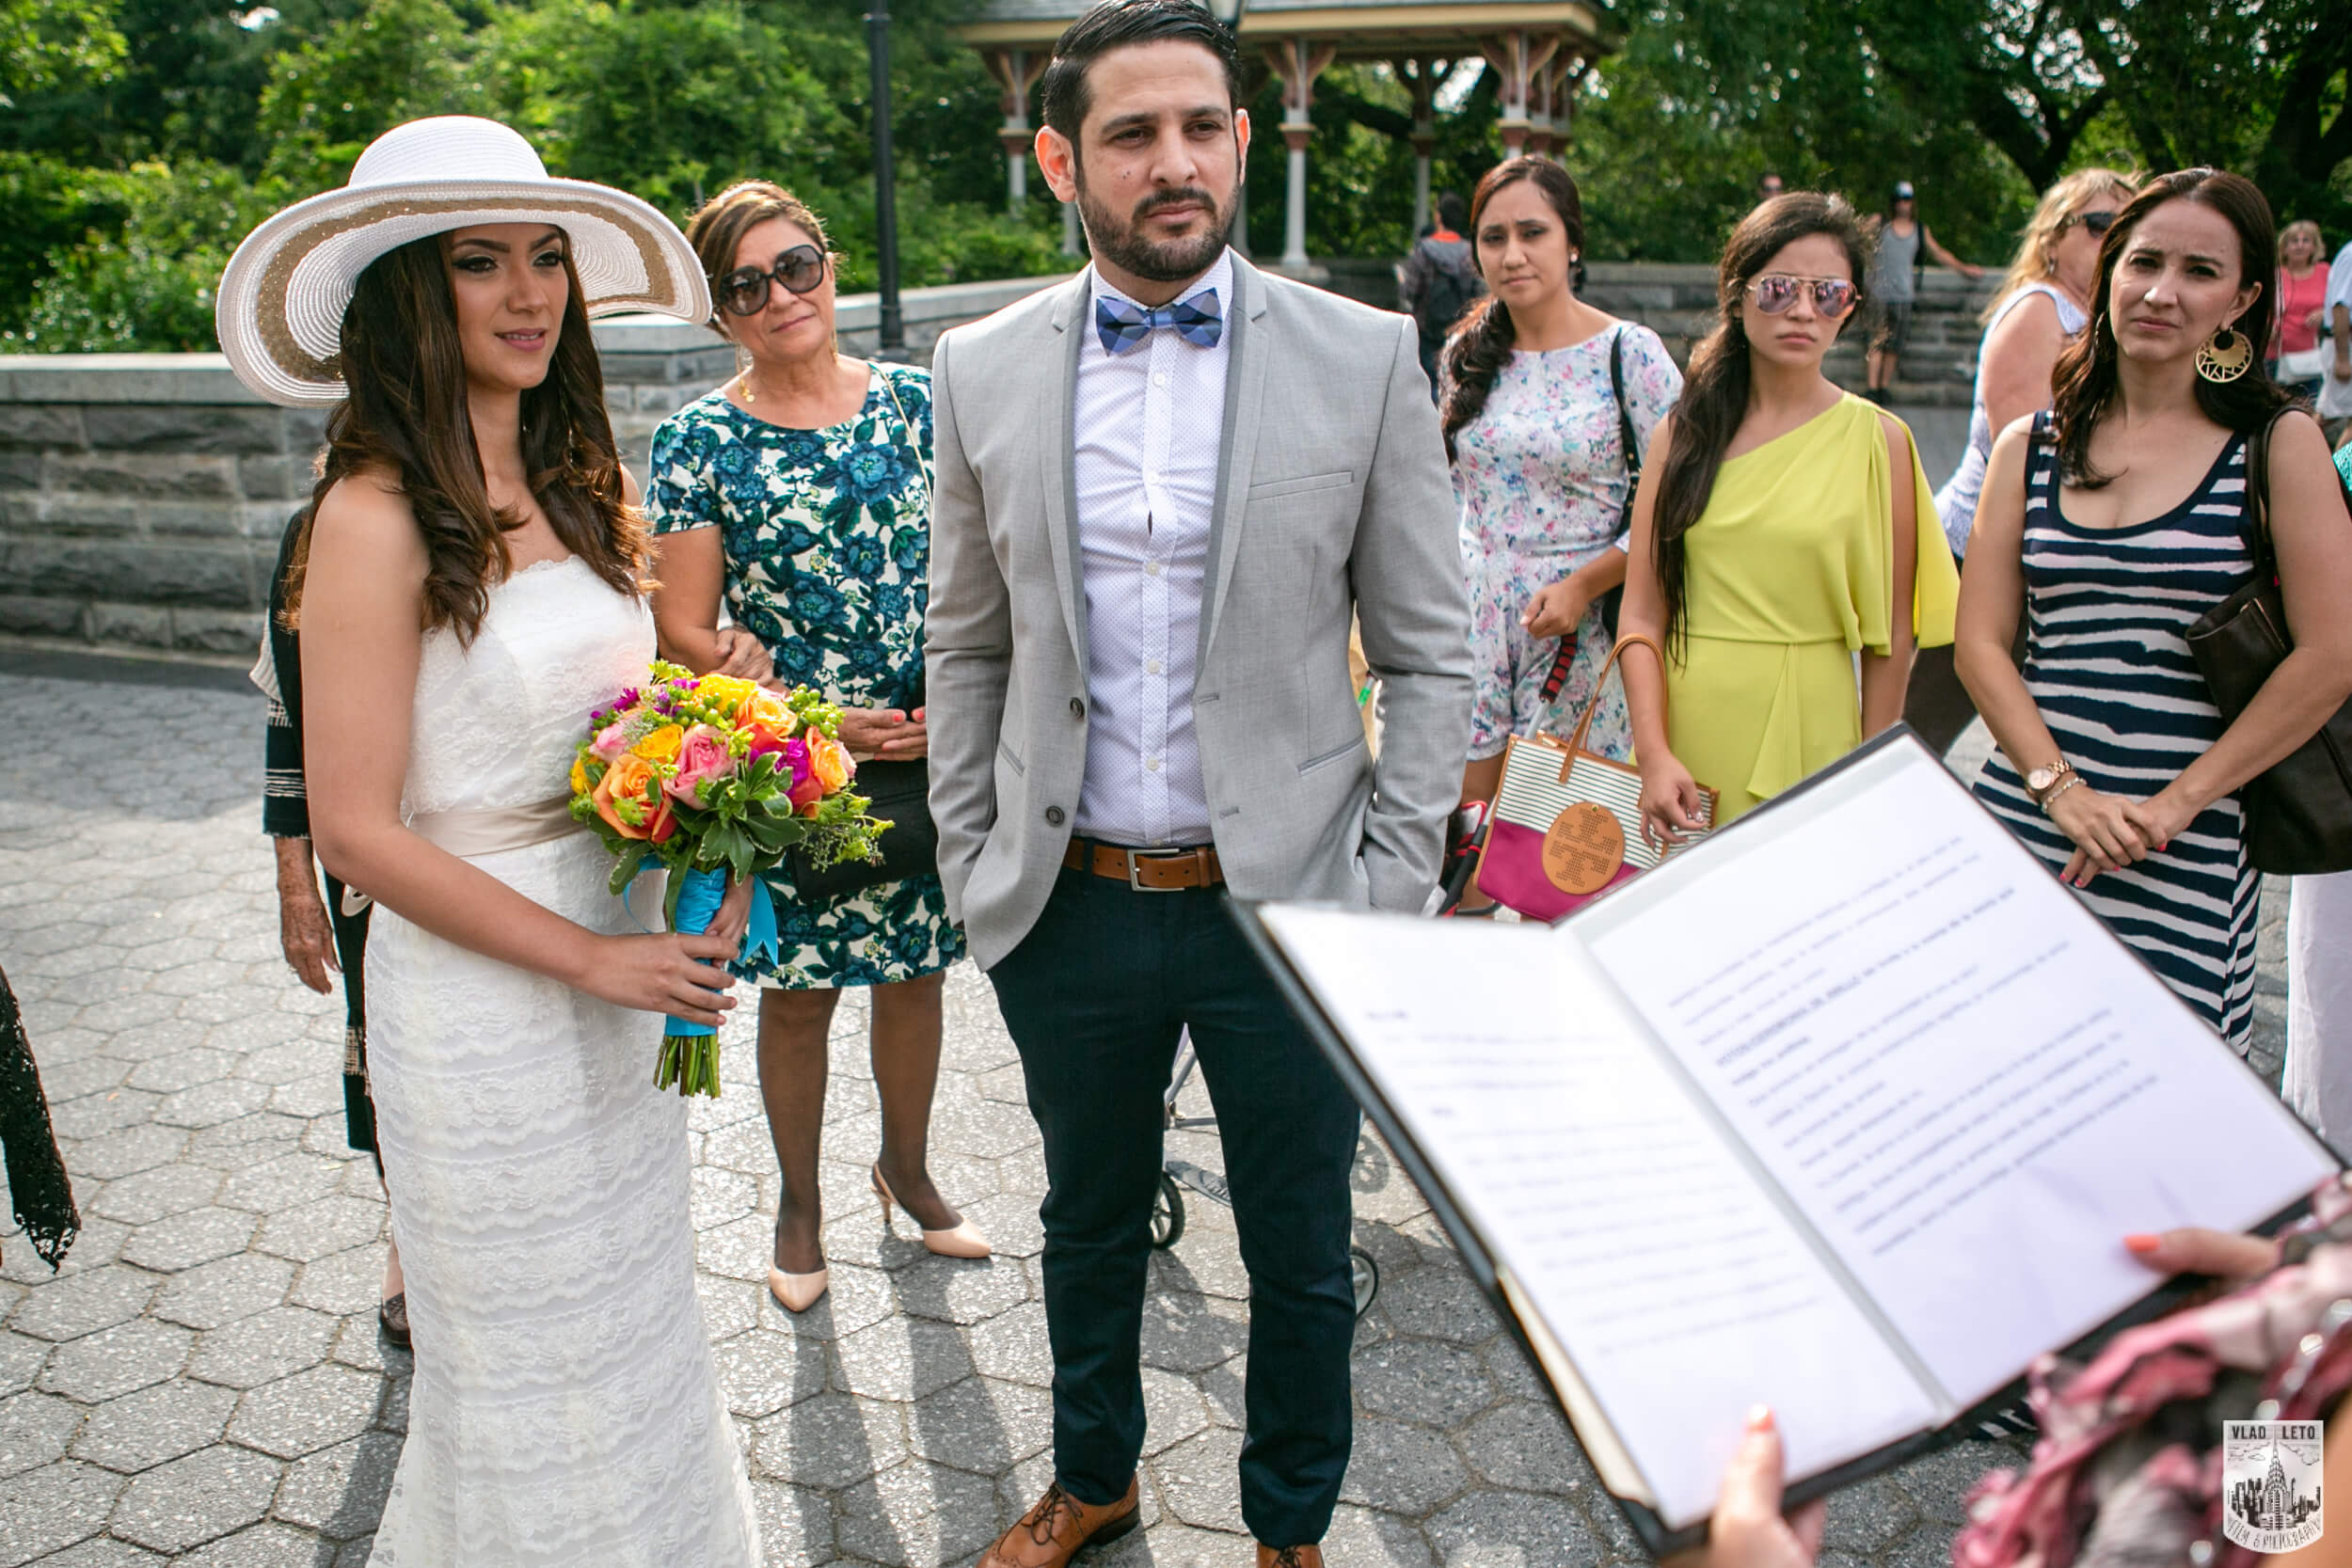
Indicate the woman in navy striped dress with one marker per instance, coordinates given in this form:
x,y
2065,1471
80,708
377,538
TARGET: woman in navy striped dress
x,y
2112,523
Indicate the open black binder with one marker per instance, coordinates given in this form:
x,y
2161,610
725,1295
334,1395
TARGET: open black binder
x,y
1869,939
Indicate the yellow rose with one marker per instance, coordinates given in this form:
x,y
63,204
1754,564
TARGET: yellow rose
x,y
580,776
661,745
829,762
763,707
725,693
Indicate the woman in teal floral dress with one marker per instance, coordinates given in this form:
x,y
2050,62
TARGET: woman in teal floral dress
x,y
799,492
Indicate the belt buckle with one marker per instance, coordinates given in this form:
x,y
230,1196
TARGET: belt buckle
x,y
1136,857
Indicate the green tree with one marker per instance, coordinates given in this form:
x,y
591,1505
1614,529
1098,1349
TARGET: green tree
x,y
337,90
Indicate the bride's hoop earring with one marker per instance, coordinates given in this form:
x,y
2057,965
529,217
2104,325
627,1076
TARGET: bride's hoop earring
x,y
2225,356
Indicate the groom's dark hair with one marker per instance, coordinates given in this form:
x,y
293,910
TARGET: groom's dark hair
x,y
1062,91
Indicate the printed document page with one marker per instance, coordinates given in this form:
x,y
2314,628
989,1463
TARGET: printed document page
x,y
1970,1090
1679,1289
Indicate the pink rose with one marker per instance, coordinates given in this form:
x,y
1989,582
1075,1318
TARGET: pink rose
x,y
611,741
702,759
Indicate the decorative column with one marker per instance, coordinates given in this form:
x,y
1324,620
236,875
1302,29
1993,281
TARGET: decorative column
x,y
1516,59
1568,73
1539,113
1016,71
1298,63
1424,137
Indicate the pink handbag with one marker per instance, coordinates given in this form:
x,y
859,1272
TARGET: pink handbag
x,y
1567,825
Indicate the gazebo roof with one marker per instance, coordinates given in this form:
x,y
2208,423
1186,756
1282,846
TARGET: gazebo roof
x,y
1358,28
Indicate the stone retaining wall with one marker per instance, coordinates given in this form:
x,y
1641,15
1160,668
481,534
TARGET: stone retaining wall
x,y
142,497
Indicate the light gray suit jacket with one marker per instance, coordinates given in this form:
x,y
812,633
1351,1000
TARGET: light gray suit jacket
x,y
1332,496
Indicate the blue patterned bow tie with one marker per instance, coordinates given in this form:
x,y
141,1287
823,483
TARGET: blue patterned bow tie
x,y
1122,326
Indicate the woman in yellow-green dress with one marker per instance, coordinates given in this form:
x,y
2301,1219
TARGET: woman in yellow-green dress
x,y
1782,528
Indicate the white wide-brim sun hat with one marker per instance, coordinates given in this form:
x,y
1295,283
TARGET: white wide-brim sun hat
x,y
280,312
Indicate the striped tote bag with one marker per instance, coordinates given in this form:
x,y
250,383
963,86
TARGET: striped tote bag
x,y
1567,825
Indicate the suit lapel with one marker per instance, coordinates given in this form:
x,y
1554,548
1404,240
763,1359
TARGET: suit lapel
x,y
1237,445
1057,458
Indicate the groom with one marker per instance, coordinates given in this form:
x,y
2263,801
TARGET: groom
x,y
1162,489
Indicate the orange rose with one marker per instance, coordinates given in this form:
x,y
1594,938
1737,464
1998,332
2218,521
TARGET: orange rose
x,y
829,762
663,744
626,780
764,707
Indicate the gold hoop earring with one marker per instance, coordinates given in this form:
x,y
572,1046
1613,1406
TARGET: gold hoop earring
x,y
2224,357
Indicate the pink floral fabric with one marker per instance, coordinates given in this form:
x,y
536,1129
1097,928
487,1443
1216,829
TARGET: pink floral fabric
x,y
2115,1479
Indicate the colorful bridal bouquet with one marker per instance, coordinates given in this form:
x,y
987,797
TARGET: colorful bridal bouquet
x,y
707,777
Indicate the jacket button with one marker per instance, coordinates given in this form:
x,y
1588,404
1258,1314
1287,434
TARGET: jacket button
x,y
1052,815
1077,708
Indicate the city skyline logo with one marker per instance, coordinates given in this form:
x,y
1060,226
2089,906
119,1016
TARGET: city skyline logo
x,y
2270,1484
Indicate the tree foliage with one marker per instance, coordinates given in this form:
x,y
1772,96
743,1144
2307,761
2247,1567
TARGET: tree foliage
x,y
138,137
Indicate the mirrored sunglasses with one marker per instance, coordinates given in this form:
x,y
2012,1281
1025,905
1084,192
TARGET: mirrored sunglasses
x,y
1775,292
2098,222
745,291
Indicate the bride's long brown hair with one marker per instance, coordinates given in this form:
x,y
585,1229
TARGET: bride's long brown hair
x,y
404,412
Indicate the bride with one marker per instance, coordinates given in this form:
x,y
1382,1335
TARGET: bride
x,y
471,584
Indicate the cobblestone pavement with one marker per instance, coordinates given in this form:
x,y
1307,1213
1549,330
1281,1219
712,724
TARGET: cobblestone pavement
x,y
204,1383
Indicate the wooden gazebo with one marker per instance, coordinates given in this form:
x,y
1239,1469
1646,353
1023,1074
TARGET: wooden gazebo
x,y
1540,49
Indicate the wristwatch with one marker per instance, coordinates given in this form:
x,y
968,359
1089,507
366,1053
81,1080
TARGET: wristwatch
x,y
2042,780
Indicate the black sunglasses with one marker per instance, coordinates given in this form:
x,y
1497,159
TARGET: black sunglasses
x,y
744,292
2098,222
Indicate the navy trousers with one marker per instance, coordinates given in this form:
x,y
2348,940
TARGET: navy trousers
x,y
1095,996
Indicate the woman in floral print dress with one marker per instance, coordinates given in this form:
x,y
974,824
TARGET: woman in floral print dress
x,y
1533,424
800,491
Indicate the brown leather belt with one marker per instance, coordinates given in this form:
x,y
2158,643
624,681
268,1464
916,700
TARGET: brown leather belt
x,y
1147,870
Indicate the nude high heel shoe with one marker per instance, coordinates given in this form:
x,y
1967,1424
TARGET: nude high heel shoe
x,y
965,1241
797,1292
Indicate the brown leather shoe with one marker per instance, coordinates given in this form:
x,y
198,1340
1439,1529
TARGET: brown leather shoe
x,y
1289,1556
1059,1527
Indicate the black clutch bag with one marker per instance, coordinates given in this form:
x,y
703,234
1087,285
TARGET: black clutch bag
x,y
900,793
2298,811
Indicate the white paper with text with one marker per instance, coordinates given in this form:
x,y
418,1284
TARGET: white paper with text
x,y
1682,1293
1969,1088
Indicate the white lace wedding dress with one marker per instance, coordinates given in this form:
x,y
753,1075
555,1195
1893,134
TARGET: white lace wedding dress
x,y
565,1409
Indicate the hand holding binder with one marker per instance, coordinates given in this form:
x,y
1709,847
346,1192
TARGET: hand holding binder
x,y
1845,1111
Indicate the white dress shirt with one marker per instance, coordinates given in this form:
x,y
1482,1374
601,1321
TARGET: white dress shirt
x,y
1149,426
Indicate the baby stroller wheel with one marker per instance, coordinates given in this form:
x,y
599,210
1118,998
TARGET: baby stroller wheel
x,y
1367,1278
1167,1215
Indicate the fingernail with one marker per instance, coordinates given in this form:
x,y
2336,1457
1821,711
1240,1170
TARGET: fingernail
x,y
1759,1418
2141,1241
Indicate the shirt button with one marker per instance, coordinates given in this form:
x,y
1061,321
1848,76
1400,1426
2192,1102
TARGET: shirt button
x,y
1150,765
1052,815
1151,666
1159,379
1077,708
1153,568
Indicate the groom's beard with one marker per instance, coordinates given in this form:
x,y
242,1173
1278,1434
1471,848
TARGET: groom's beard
x,y
1122,245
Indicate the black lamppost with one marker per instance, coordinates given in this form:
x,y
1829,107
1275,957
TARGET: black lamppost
x,y
894,336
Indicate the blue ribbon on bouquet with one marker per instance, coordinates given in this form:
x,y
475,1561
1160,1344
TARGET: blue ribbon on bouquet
x,y
698,899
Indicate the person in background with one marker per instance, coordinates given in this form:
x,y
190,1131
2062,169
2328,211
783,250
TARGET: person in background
x,y
2335,391
2110,524
2296,352
1537,390
319,938
1767,186
1783,527
1439,281
798,491
2041,307
2318,1080
1894,282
